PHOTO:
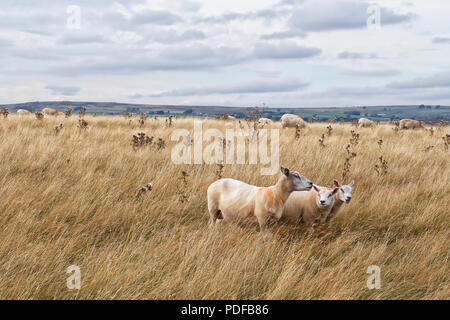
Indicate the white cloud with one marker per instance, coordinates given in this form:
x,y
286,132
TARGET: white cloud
x,y
260,86
238,52
441,40
371,72
63,91
325,15
356,55
439,80
284,50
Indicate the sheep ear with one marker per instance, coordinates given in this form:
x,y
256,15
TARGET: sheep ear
x,y
336,183
335,190
315,188
284,171
352,183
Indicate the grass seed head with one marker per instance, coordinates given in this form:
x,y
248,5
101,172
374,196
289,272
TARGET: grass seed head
x,y
82,124
68,112
4,112
82,112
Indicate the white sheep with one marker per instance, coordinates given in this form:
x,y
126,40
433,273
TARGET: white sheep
x,y
411,124
23,112
366,123
236,201
292,121
264,121
344,195
50,112
309,207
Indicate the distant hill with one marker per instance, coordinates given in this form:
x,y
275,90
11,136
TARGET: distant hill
x,y
431,113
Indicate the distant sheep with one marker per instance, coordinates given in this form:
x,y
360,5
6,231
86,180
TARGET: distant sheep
x,y
292,121
309,207
366,123
236,201
23,112
410,124
50,112
227,117
264,121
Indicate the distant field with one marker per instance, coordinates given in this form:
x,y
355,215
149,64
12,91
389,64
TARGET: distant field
x,y
69,199
430,113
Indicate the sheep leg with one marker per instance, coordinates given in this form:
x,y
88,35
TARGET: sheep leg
x,y
266,226
329,219
313,226
214,214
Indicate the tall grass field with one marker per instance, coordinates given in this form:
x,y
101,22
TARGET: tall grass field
x,y
69,198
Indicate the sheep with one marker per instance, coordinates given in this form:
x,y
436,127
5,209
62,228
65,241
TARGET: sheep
x,y
344,195
228,118
366,123
23,112
50,112
410,124
310,207
264,121
235,201
292,121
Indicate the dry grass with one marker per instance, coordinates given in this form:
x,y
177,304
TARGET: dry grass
x,y
70,199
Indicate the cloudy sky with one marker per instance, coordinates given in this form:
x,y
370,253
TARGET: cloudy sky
x,y
238,53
